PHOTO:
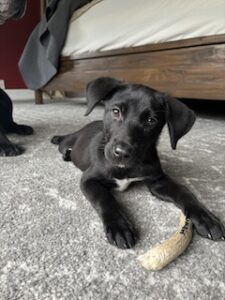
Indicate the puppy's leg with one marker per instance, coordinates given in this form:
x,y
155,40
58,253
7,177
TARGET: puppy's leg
x,y
7,148
6,118
117,228
65,143
206,224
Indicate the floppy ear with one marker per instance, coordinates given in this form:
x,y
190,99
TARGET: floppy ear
x,y
179,118
99,89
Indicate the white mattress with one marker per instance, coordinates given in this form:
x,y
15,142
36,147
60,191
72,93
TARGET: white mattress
x,y
114,24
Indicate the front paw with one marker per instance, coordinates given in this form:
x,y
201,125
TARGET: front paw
x,y
208,225
120,234
23,129
9,149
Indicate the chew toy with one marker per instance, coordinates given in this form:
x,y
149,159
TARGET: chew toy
x,y
162,254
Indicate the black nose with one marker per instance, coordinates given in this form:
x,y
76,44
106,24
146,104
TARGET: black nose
x,y
122,151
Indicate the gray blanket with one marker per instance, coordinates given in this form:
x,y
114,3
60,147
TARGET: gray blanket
x,y
40,58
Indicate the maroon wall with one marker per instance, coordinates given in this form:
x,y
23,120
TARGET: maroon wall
x,y
13,37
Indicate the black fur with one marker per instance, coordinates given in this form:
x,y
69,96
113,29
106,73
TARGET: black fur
x,y
123,145
7,125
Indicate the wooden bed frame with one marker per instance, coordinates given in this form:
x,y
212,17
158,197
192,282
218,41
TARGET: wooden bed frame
x,y
192,68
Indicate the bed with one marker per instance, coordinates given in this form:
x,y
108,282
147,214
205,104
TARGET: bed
x,y
173,46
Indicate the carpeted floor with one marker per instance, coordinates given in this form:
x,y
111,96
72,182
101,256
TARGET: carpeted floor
x,y
52,244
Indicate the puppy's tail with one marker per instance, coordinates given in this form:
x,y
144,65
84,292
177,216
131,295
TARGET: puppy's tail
x,y
57,139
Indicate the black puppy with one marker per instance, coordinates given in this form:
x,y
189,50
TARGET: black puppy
x,y
122,149
7,125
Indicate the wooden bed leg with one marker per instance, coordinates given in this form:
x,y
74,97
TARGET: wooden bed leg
x,y
38,97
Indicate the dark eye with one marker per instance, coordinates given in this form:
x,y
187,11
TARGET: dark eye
x,y
116,112
151,121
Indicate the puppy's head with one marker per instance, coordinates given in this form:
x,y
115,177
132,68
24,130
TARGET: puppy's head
x,y
134,117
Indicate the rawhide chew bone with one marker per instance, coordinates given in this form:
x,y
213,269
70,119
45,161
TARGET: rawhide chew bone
x,y
162,254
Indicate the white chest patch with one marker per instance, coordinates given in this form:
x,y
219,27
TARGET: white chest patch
x,y
122,184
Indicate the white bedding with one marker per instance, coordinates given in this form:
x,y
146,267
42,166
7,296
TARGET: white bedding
x,y
114,24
